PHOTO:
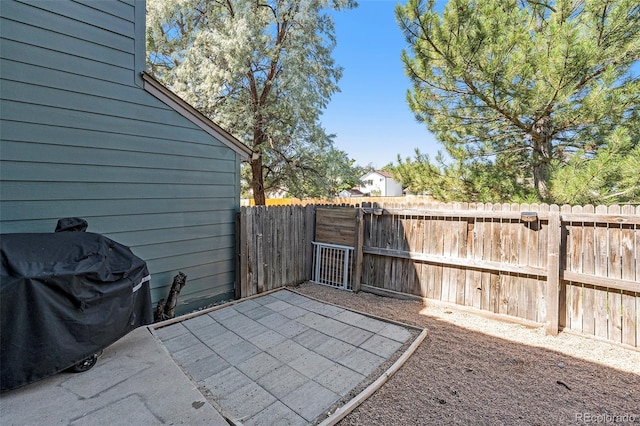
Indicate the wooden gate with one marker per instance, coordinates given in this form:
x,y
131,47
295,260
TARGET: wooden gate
x,y
337,259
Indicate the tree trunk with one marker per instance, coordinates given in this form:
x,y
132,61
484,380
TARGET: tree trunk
x,y
541,178
166,310
179,281
257,182
542,132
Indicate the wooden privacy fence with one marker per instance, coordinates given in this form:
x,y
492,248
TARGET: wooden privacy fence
x,y
571,268
274,247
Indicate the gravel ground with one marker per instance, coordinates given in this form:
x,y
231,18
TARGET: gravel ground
x,y
473,370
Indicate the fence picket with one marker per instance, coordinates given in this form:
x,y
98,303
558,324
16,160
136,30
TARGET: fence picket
x,y
628,256
542,315
588,267
614,270
600,269
573,256
513,281
487,240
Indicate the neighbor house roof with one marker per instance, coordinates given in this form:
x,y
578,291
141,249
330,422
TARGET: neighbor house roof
x,y
161,92
385,174
353,192
381,173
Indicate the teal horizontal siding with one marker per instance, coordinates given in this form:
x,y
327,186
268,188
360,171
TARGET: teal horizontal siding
x,y
120,223
201,145
51,14
51,155
46,115
38,95
119,11
186,264
118,21
124,223
60,172
27,191
38,209
56,42
194,261
62,61
207,278
81,139
189,247
34,75
183,233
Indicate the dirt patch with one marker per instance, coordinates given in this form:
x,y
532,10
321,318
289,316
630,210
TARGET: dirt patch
x,y
475,370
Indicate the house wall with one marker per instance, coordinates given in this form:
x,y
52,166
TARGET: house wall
x,y
378,185
372,182
81,138
392,188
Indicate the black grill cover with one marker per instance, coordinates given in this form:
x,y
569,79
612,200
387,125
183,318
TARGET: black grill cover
x,y
63,297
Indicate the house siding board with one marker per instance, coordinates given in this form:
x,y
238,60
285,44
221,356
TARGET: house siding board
x,y
51,14
169,235
187,150
81,138
210,170
51,116
28,191
57,82
98,14
140,40
26,170
55,168
38,209
188,247
65,100
56,42
117,9
72,64
125,223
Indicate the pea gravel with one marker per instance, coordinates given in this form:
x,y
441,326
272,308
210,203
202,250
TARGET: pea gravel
x,y
472,370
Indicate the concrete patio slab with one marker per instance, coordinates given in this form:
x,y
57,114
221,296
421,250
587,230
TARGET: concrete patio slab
x,y
134,382
282,358
276,414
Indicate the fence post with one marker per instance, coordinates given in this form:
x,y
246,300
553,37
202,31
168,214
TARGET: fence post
x,y
260,270
553,272
357,261
245,262
310,232
238,251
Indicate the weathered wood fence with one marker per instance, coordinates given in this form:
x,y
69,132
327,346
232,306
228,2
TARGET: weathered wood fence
x,y
274,247
570,268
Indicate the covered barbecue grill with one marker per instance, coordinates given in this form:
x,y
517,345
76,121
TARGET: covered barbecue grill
x,y
64,297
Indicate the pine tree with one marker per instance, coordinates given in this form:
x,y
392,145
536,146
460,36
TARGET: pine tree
x,y
611,176
528,84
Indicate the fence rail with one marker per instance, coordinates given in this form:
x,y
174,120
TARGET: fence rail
x,y
574,268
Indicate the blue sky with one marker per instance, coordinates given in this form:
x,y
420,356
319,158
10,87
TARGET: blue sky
x,y
370,116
